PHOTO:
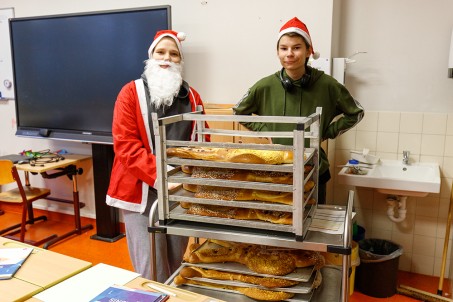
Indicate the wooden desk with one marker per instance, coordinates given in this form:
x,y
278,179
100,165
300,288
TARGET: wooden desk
x,y
41,270
181,294
87,284
65,167
95,279
17,290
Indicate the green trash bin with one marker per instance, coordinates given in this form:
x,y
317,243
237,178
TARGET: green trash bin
x,y
377,274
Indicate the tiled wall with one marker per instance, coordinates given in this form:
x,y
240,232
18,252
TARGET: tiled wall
x,y
429,138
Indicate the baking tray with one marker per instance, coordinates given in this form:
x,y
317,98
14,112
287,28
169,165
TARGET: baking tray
x,y
237,296
304,287
214,164
300,274
209,292
182,195
179,213
296,289
329,290
182,177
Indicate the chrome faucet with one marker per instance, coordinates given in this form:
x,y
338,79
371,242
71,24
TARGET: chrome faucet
x,y
406,157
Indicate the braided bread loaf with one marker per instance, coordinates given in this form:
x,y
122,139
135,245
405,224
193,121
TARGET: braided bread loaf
x,y
257,258
246,156
269,282
238,213
251,292
242,175
226,193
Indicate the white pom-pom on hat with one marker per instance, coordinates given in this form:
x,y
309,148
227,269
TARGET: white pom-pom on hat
x,y
178,37
181,36
315,55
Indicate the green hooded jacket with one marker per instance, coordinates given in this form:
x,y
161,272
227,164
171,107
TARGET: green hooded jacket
x,y
267,97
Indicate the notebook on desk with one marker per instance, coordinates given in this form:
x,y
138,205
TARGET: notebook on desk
x,y
17,158
11,259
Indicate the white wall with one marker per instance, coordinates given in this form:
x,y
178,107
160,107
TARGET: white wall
x,y
407,42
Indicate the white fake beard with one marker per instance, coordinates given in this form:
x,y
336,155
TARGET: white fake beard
x,y
163,83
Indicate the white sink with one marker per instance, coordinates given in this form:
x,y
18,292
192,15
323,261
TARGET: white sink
x,y
395,178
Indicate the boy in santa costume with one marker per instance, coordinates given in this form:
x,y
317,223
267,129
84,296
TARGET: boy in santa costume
x,y
296,90
160,89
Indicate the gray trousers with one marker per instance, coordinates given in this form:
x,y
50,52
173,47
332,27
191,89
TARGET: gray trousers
x,y
169,249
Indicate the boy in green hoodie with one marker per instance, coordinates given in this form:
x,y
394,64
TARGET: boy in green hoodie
x,y
296,90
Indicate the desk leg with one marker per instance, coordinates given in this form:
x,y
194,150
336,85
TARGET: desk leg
x,y
78,226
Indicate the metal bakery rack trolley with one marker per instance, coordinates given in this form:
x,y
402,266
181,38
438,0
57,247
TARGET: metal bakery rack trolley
x,y
306,141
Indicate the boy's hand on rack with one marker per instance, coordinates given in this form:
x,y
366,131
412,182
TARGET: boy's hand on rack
x,y
172,185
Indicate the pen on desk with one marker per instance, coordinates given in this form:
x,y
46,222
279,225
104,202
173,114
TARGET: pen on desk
x,y
160,289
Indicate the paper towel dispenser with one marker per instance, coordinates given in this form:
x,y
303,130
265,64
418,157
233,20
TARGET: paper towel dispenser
x,y
450,60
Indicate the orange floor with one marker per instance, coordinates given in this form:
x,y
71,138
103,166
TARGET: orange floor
x,y
95,251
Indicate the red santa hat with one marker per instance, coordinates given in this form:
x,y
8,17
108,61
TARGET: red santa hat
x,y
178,37
296,26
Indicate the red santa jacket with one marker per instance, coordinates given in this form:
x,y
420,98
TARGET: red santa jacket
x,y
134,166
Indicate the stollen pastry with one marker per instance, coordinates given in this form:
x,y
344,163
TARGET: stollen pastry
x,y
237,174
246,175
226,193
277,217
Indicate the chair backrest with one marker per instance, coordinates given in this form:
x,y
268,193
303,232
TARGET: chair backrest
x,y
6,176
9,175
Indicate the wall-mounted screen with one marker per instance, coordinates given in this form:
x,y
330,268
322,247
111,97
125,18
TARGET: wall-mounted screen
x,y
69,69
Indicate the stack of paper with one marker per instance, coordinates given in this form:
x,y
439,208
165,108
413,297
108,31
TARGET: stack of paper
x,y
328,221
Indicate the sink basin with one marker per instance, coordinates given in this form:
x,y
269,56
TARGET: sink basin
x,y
395,178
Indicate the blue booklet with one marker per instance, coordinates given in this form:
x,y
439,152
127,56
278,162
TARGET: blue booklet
x,y
125,294
11,259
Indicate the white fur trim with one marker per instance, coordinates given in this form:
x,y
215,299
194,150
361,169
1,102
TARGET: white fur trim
x,y
157,40
315,55
296,30
140,87
121,204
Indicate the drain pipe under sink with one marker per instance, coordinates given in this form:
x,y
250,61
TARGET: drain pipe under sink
x,y
398,202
